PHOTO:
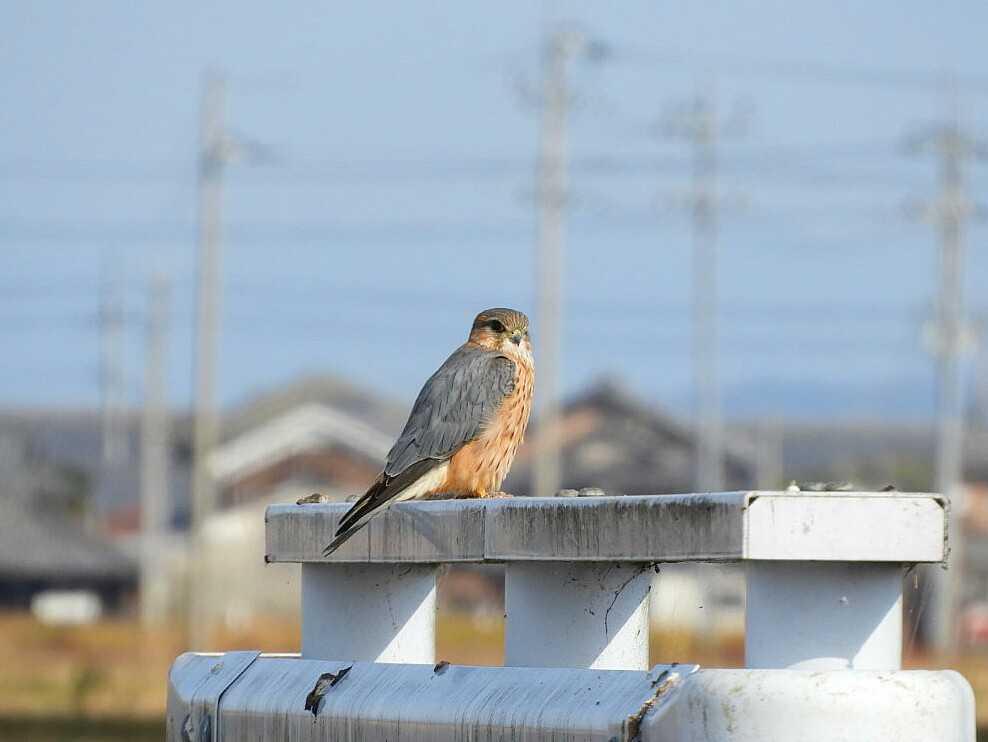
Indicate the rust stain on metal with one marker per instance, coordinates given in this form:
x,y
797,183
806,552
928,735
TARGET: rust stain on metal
x,y
325,681
663,684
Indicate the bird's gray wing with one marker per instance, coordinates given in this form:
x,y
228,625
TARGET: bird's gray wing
x,y
453,408
457,402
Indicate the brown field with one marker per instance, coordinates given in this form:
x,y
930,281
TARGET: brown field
x,y
115,671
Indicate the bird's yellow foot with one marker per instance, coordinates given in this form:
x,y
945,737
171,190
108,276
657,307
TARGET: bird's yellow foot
x,y
499,495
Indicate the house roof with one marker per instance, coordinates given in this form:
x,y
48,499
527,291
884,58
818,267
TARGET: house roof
x,y
38,545
72,439
616,441
329,391
303,428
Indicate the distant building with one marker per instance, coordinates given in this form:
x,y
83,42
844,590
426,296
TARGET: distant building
x,y
45,549
616,441
43,553
318,434
72,442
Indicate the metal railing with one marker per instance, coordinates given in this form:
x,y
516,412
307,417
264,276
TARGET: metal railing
x,y
824,594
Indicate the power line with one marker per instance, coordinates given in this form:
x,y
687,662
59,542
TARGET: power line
x,y
441,233
801,70
623,309
395,171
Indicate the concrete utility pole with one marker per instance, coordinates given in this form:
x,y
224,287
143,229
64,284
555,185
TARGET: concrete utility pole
x,y
113,391
699,123
155,501
561,47
769,459
214,153
112,381
950,338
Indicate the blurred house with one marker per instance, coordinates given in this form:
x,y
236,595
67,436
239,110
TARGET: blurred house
x,y
46,553
72,442
48,556
613,440
319,434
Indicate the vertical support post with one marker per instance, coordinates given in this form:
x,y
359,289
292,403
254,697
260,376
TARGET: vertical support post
x,y
369,612
577,614
823,616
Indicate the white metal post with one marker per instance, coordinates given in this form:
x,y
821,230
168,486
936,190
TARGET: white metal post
x,y
577,614
369,612
824,615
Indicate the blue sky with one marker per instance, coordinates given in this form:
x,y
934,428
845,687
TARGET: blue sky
x,y
399,197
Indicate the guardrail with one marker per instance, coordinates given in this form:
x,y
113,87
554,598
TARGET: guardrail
x,y
824,594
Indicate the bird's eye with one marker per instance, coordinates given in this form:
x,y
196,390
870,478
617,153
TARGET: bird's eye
x,y
496,325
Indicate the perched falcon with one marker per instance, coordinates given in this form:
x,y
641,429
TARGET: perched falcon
x,y
466,424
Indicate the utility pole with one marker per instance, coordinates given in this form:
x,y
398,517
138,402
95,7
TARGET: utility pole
x,y
699,123
561,47
155,501
214,152
950,337
113,391
112,383
769,459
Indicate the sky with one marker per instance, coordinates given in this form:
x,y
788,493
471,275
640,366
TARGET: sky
x,y
393,196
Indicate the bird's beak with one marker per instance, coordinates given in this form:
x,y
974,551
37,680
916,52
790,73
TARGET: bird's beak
x,y
516,338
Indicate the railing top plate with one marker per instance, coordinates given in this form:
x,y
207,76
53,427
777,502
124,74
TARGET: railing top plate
x,y
727,526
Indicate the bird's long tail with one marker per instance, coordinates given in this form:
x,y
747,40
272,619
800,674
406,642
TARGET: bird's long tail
x,y
357,517
342,536
384,489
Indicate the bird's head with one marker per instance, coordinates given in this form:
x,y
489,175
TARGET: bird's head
x,y
503,330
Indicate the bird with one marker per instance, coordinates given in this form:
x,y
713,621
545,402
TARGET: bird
x,y
465,426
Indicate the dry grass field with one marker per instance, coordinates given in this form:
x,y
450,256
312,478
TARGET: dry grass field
x,y
115,673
